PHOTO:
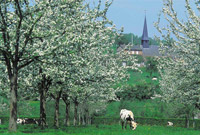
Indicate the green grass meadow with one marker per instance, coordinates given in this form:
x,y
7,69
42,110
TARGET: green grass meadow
x,y
100,130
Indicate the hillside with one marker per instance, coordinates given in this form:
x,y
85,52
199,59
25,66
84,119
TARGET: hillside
x,y
128,38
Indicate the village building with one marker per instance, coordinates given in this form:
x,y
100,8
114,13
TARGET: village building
x,y
144,49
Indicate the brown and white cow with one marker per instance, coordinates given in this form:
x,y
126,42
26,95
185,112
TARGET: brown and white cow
x,y
126,116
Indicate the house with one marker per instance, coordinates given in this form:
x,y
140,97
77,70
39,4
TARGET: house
x,y
144,49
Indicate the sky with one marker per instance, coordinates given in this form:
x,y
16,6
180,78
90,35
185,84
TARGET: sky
x,y
130,14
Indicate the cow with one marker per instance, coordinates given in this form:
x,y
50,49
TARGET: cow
x,y
30,121
27,121
126,116
0,121
169,123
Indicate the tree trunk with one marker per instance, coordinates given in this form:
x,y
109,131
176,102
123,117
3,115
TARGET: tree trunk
x,y
43,89
90,120
75,111
83,118
56,115
193,121
67,109
67,117
13,101
187,123
87,115
79,118
43,123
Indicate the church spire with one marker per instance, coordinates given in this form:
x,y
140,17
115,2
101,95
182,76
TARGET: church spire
x,y
145,38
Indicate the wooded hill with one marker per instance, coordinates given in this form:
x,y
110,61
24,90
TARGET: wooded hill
x,y
129,38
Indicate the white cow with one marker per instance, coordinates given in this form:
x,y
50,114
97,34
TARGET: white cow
x,y
0,121
169,123
127,116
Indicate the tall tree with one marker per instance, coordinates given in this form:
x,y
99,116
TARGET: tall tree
x,y
72,41
85,55
27,32
180,69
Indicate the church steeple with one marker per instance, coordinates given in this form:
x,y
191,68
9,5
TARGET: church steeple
x,y
145,38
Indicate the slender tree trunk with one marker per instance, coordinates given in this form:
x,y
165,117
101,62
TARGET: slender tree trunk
x,y
43,89
13,101
87,115
43,123
79,118
193,121
83,118
67,109
67,117
90,120
75,111
56,115
187,123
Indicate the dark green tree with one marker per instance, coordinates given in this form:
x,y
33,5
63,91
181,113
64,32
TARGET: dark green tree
x,y
151,65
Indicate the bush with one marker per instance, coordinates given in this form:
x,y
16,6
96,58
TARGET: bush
x,y
139,91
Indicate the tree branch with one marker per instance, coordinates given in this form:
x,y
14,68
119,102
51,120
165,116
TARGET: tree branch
x,y
52,96
28,62
18,9
27,39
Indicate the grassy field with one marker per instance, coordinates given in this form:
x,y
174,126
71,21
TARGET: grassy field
x,y
143,76
100,130
146,108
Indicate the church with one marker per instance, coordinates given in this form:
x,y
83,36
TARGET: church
x,y
144,49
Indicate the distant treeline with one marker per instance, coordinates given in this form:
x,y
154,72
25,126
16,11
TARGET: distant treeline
x,y
130,37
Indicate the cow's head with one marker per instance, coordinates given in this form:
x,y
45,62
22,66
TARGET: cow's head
x,y
133,125
20,121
